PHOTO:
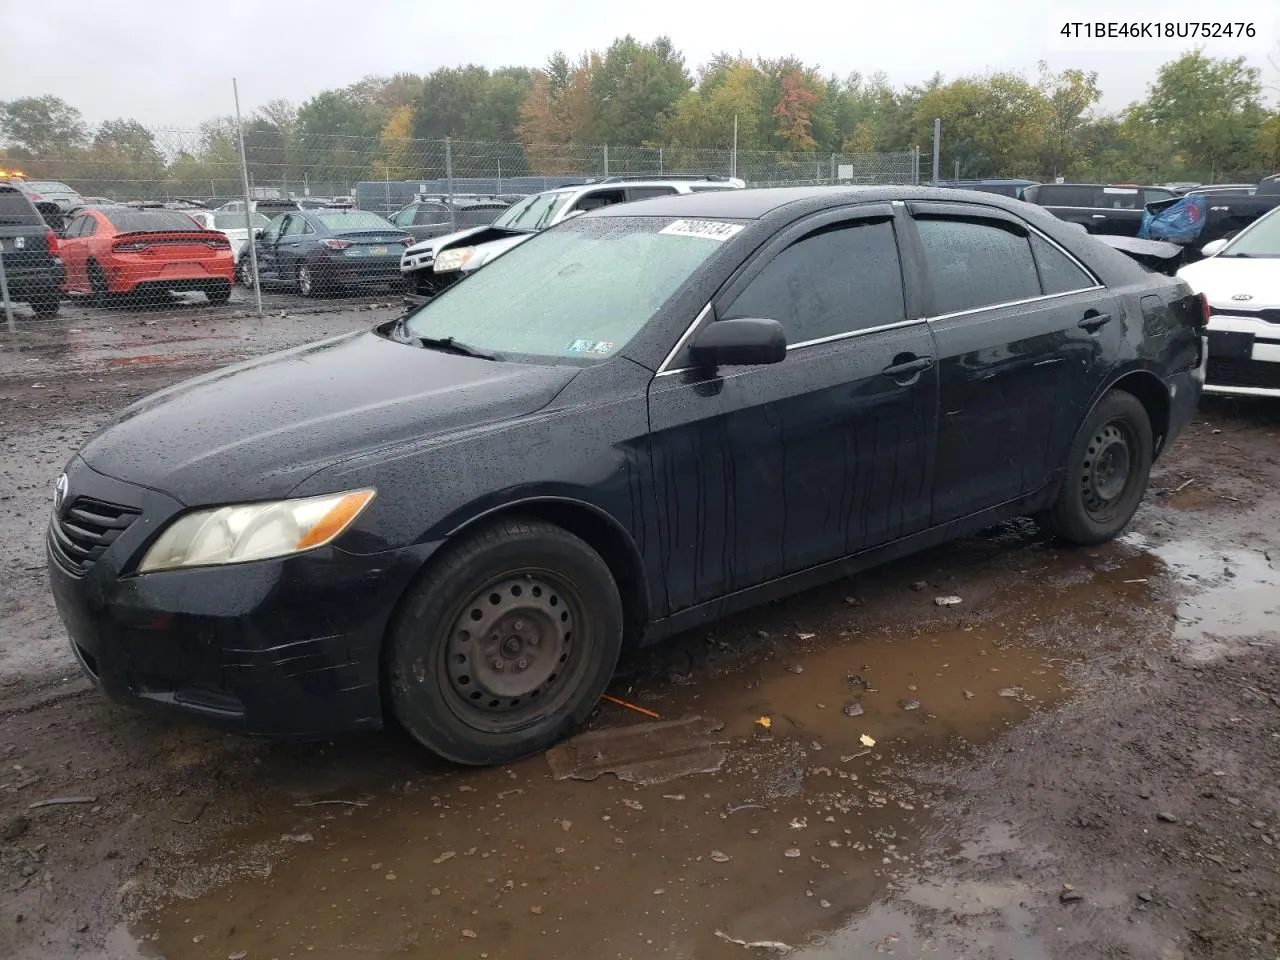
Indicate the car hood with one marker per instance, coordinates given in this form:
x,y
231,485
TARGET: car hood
x,y
255,430
435,242
1223,279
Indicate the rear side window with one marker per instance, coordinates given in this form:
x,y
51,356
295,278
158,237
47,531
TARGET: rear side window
x,y
600,198
1155,196
1058,274
838,280
641,193
1062,195
430,214
976,264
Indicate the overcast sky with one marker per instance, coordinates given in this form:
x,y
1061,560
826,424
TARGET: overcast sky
x,y
169,63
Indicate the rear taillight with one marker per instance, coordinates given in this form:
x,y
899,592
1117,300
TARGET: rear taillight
x,y
1204,310
335,244
407,241
51,241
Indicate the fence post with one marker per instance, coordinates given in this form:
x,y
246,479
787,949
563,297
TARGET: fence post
x,y
937,142
661,169
248,205
606,159
4,293
448,166
833,168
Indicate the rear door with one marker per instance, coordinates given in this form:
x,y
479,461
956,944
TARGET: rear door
x,y
1025,336
766,471
1119,211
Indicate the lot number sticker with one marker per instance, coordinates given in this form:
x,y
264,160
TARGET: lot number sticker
x,y
706,229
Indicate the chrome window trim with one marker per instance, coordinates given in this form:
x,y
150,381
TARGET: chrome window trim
x,y
665,370
1012,303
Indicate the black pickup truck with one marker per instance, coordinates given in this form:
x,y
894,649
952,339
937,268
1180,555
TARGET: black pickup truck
x,y
29,248
1100,208
1230,211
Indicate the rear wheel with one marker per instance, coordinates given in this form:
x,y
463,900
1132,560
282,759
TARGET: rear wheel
x,y
505,644
46,306
97,282
1106,474
219,292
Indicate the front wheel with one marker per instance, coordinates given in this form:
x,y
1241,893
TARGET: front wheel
x,y
306,282
1106,473
505,644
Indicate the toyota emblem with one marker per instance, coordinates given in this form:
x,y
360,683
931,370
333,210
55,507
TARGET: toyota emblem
x,y
1243,296
59,493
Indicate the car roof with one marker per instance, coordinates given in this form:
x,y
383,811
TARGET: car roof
x,y
760,202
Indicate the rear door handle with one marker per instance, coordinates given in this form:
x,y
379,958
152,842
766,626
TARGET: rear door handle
x,y
907,367
1099,216
1093,321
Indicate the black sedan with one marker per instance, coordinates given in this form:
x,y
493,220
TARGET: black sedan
x,y
318,251
647,417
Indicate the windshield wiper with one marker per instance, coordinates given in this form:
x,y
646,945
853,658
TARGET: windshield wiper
x,y
450,345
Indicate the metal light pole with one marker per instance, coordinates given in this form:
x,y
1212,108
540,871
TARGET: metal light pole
x,y
248,205
937,142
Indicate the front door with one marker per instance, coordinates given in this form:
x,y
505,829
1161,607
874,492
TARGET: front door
x,y
1022,333
266,249
766,471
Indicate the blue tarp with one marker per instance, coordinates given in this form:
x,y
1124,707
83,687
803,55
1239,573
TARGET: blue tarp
x,y
1178,222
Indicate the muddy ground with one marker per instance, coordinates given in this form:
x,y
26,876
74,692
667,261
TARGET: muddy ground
x,y
1079,760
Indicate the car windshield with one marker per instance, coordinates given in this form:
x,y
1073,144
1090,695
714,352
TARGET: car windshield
x,y
235,221
48,186
355,220
580,291
532,213
1260,240
154,221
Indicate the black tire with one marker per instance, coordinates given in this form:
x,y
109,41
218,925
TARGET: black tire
x,y
46,306
101,291
542,604
218,292
1106,473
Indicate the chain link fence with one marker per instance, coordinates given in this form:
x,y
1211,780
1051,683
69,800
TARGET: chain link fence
x,y
169,175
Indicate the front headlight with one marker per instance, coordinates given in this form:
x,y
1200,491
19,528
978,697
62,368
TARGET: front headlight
x,y
254,531
452,260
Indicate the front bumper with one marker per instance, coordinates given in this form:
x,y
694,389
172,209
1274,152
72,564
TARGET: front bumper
x,y
1244,356
288,647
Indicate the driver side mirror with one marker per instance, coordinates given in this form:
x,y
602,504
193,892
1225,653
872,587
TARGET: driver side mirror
x,y
1212,247
739,342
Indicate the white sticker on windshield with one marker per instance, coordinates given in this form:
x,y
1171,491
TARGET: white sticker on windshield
x,y
706,229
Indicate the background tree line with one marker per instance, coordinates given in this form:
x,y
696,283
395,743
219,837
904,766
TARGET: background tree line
x,y
1202,119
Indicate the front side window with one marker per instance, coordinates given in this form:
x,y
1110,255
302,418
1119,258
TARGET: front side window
x,y
976,264
579,292
838,280
1261,239
431,214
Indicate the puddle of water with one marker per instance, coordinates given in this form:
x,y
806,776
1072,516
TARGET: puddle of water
x,y
801,824
1235,596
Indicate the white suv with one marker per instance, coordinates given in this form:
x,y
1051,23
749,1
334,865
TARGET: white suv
x,y
434,264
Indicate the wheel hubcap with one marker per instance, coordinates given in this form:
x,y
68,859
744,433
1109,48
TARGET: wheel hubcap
x,y
1107,467
510,646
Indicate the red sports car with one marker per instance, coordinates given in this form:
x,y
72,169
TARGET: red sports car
x,y
122,249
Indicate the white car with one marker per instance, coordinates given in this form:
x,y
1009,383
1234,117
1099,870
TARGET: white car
x,y
1241,279
230,224
434,264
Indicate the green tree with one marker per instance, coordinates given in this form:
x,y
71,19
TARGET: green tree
x,y
1209,108
635,91
42,126
1069,95
994,125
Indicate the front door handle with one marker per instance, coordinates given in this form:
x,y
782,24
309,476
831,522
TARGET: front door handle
x,y
1094,321
907,367
1099,216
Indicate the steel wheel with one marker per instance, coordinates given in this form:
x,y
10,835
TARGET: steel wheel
x,y
504,643
1107,469
306,282
510,652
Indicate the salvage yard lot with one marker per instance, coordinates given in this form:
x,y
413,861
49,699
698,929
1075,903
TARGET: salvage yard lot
x,y
1081,758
